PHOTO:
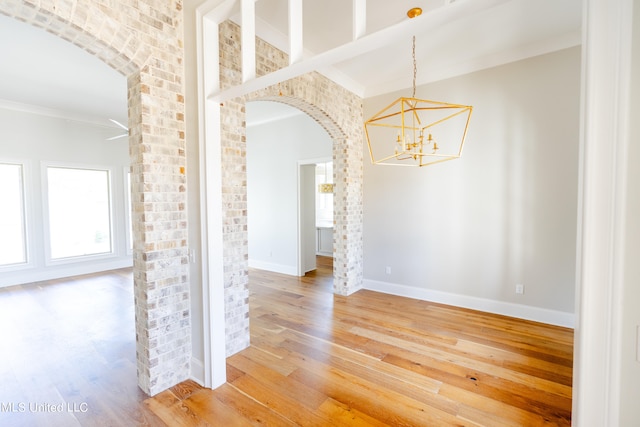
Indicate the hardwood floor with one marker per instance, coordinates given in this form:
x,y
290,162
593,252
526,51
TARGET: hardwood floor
x,y
67,356
316,359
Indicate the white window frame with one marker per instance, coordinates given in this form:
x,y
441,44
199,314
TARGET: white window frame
x,y
321,199
26,215
49,261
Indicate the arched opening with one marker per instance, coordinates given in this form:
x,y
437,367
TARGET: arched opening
x,y
344,182
284,208
58,100
156,150
335,135
339,112
222,150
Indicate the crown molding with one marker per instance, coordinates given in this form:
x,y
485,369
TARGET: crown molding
x,y
55,113
474,64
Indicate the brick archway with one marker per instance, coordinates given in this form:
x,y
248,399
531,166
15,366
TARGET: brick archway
x,y
340,113
127,37
347,162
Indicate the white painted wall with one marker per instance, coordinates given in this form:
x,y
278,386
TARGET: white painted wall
x,y
274,150
34,139
467,231
630,364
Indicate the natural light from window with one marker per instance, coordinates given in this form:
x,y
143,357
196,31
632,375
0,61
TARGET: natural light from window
x,y
324,201
79,212
12,224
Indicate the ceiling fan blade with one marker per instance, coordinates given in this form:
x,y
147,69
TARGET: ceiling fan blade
x,y
119,124
117,137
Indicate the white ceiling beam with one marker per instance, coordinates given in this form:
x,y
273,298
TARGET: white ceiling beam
x,y
275,38
359,18
295,31
371,42
248,31
217,10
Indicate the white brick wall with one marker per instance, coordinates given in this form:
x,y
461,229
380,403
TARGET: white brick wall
x,y
143,40
336,110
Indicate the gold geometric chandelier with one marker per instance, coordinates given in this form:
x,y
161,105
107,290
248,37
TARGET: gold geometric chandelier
x,y
403,133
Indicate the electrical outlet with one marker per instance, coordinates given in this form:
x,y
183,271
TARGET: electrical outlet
x,y
519,289
387,270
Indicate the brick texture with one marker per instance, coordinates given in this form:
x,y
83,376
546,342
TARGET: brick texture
x,y
340,113
142,39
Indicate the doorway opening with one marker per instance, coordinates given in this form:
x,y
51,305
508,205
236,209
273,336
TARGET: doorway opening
x,y
284,147
163,333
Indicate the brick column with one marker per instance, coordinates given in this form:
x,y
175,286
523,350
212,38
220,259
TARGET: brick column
x,y
347,206
143,40
339,112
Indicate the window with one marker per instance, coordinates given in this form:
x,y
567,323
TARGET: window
x,y
12,222
324,201
79,212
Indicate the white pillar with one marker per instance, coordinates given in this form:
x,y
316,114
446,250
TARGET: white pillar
x,y
602,200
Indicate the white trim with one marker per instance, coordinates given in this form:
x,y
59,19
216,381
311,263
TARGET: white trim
x,y
300,164
70,270
197,371
368,43
208,17
520,311
359,19
289,270
26,219
49,261
58,114
248,39
296,33
275,38
607,35
473,64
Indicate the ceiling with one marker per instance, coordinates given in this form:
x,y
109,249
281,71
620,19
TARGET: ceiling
x,y
495,33
39,69
42,72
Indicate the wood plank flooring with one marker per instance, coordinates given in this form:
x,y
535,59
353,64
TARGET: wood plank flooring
x,y
67,354
316,359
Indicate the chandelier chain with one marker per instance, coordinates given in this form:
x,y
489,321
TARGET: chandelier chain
x,y
414,119
415,67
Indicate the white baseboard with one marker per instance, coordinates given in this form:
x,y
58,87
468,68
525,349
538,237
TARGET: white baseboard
x,y
31,275
276,268
537,314
197,371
